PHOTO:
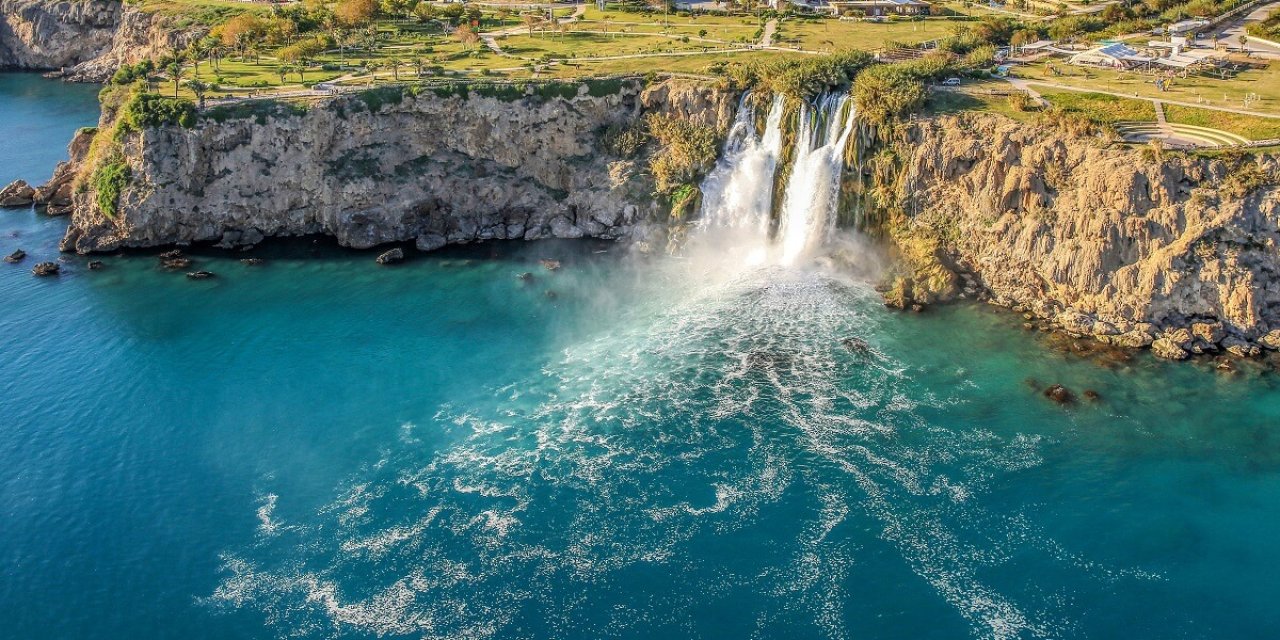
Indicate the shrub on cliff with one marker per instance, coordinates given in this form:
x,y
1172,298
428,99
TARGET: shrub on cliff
x,y
686,150
145,110
109,180
801,78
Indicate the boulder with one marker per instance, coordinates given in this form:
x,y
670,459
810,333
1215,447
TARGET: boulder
x,y
1133,340
174,264
200,275
46,269
15,257
1076,322
1169,349
1241,348
1181,337
17,194
856,345
1212,333
169,255
1271,340
95,265
391,257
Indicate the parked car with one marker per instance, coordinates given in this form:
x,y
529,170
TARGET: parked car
x,y
951,82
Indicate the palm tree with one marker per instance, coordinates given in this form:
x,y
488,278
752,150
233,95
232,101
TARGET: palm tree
x,y
282,70
198,88
395,64
175,71
606,18
418,64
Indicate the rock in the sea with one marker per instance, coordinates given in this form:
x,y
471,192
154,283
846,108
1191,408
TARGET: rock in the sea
x,y
1092,395
1059,394
551,295
391,257
1135,339
253,262
15,257
17,194
525,277
200,275
46,269
856,345
95,265
175,264
1211,333
1240,348
1168,349
550,265
172,254
1271,340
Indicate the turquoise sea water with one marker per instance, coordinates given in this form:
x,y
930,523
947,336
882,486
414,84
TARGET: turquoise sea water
x,y
319,447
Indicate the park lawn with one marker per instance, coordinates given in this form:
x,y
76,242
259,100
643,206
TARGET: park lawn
x,y
1100,107
1251,127
591,45
706,21
1231,92
973,98
839,35
700,64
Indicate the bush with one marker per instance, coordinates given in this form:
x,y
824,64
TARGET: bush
x,y
108,182
145,110
687,150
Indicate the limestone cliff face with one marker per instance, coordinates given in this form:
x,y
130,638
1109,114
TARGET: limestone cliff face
x,y
49,34
1112,242
83,40
426,168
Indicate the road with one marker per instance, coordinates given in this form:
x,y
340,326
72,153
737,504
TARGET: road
x,y
1230,34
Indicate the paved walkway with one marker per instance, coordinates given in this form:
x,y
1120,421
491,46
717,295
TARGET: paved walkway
x,y
1160,120
490,38
770,28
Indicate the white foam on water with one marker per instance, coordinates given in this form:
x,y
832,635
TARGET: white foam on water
x,y
719,400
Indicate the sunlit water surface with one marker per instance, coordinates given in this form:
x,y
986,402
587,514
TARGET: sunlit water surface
x,y
320,447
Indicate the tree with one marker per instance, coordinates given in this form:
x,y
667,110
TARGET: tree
x,y
395,64
175,72
198,88
282,70
531,19
240,32
606,18
356,13
466,35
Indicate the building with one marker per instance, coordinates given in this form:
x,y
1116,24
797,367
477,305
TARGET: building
x,y
1116,55
1186,27
881,8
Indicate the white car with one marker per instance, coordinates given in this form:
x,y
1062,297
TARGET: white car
x,y
951,82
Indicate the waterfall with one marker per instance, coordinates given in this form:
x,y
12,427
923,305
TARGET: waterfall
x,y
737,215
738,193
813,190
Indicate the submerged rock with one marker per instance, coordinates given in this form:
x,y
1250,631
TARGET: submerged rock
x,y
1092,395
171,255
525,277
1059,394
856,345
15,257
17,194
46,269
253,262
95,265
551,295
175,264
391,257
200,275
549,265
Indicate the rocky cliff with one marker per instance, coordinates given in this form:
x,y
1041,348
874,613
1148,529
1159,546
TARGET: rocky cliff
x,y
44,34
1134,246
435,166
83,40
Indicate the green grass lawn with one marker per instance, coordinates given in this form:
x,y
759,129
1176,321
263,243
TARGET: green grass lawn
x,y
1213,91
1251,127
836,35
973,97
592,45
1100,107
